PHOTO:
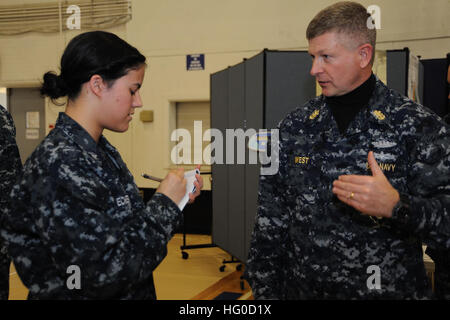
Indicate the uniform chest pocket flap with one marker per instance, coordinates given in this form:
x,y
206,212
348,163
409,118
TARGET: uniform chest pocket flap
x,y
388,155
89,190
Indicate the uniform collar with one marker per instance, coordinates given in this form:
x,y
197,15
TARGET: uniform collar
x,y
377,111
81,137
320,116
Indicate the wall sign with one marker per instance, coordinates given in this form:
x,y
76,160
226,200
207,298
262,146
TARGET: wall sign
x,y
32,119
195,62
32,134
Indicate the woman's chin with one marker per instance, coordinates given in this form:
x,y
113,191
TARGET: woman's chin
x,y
121,128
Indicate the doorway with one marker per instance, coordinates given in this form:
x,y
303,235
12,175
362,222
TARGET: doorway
x,y
27,109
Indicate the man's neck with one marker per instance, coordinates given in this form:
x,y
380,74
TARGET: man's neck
x,y
347,106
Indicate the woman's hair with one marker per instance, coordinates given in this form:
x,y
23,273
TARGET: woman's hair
x,y
90,53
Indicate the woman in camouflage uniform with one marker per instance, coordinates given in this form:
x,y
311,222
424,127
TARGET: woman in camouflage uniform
x,y
80,229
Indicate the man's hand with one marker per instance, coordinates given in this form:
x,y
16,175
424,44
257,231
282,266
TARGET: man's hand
x,y
173,185
198,186
372,195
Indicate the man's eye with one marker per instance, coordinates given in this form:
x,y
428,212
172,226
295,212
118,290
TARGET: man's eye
x,y
132,92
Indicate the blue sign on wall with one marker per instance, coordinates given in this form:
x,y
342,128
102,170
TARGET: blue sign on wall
x,y
195,62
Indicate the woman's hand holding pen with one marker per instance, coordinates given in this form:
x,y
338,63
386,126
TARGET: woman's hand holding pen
x,y
173,185
198,186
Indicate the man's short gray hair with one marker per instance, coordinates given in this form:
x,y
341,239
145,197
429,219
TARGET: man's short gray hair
x,y
348,18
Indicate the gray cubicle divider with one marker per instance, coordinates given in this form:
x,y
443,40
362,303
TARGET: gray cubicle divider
x,y
254,94
397,62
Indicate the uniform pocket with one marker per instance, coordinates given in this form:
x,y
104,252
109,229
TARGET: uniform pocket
x,y
388,154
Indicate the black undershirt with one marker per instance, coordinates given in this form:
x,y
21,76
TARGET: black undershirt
x,y
345,108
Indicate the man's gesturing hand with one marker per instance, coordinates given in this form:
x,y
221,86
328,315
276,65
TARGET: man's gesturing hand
x,y
372,195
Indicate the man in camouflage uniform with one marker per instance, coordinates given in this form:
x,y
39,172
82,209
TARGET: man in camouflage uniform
x,y
90,221
347,213
10,166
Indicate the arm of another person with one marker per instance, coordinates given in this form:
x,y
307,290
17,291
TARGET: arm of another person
x,y
10,164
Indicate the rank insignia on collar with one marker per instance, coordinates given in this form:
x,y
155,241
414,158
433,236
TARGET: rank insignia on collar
x,y
379,115
314,114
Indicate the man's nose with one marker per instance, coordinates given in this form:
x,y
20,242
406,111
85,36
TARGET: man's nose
x,y
316,68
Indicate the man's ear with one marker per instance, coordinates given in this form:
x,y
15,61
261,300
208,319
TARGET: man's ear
x,y
365,53
96,85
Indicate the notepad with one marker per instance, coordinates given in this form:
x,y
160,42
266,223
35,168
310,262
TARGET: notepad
x,y
190,188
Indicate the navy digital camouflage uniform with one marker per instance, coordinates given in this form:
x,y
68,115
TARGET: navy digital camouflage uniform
x,y
10,166
77,204
441,260
307,244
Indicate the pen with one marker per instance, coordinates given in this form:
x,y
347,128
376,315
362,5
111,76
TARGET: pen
x,y
146,176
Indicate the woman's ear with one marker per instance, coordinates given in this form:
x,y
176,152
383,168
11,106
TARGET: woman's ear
x,y
365,53
96,85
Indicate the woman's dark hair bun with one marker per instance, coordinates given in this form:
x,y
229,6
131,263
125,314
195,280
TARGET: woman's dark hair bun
x,y
89,53
53,86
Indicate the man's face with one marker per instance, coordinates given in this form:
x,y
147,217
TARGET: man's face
x,y
336,66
